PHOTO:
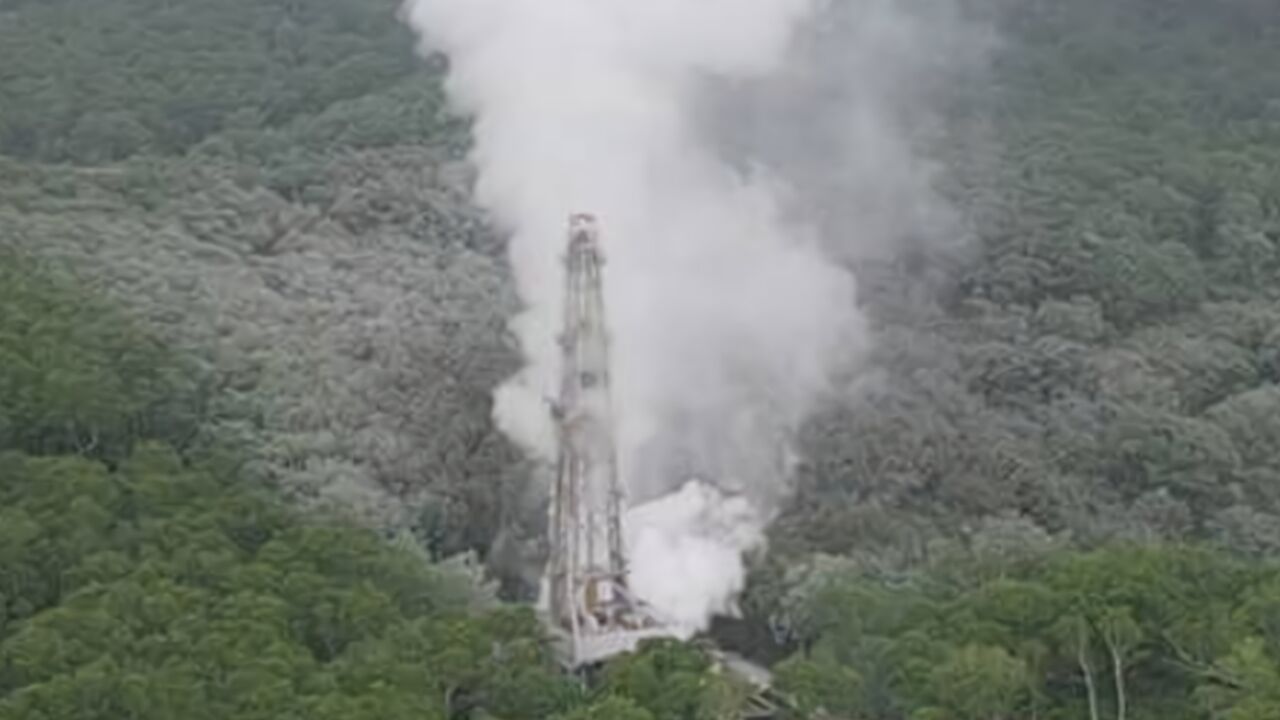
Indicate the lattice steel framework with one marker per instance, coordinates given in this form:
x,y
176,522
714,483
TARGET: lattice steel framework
x,y
589,597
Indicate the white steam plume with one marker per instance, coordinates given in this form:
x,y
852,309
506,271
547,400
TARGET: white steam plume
x,y
725,321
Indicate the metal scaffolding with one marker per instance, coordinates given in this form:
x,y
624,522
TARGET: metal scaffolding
x,y
590,602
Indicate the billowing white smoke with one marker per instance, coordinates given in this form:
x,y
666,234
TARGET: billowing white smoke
x,y
724,321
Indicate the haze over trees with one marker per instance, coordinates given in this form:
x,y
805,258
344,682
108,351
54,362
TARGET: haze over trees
x,y
250,324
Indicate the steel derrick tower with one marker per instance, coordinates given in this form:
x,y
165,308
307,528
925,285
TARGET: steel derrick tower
x,y
589,600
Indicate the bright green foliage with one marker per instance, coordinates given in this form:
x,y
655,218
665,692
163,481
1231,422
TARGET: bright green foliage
x,y
821,685
610,708
1248,686
1138,632
975,682
672,681
76,375
164,592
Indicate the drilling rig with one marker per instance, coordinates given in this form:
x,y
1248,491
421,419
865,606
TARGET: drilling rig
x,y
590,604
591,609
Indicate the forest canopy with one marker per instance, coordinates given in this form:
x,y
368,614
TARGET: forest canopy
x,y
232,486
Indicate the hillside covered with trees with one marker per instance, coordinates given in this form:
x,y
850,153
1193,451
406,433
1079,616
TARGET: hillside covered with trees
x,y
250,323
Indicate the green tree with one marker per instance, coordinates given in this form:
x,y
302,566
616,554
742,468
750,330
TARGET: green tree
x,y
611,707
978,683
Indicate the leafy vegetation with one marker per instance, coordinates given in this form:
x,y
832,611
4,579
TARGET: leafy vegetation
x,y
1122,304
138,581
1058,498
1131,631
146,585
78,376
1000,524
178,72
161,591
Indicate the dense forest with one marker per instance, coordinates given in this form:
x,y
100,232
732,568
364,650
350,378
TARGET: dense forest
x,y
233,486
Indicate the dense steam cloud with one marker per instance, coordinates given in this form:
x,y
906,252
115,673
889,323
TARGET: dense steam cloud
x,y
727,320
855,123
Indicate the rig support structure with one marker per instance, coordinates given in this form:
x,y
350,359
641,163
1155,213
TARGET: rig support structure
x,y
590,604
